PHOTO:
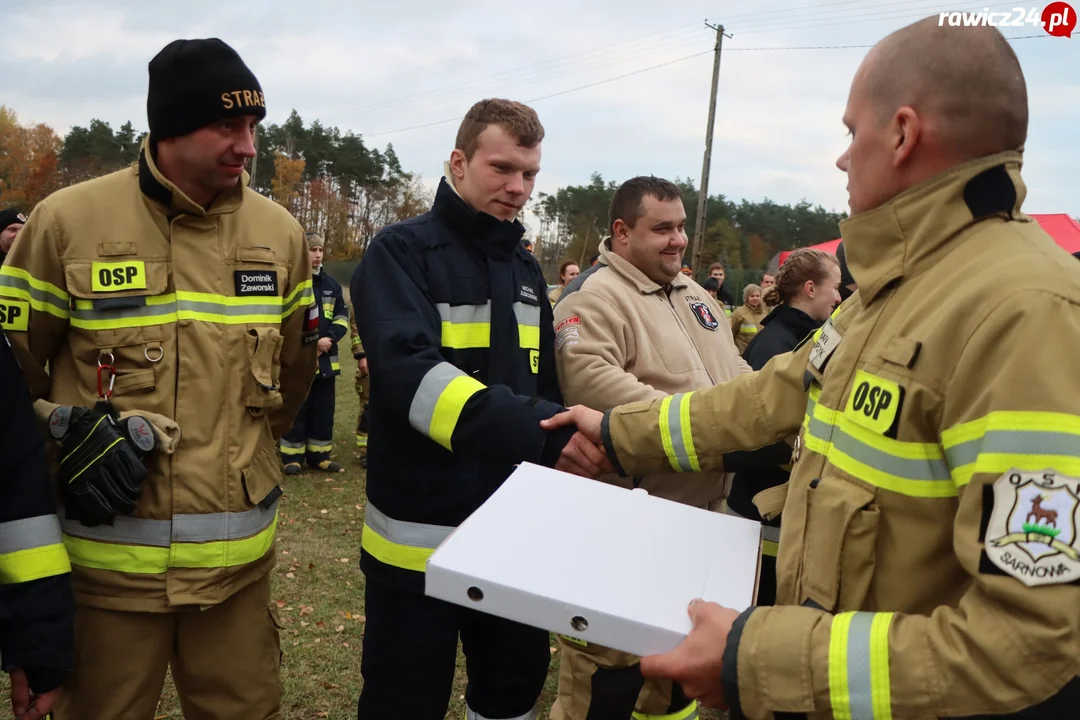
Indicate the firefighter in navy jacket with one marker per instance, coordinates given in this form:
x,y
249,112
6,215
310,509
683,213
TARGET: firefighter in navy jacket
x,y
459,336
37,608
312,433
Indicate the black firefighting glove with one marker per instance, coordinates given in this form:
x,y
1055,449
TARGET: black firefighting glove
x,y
101,470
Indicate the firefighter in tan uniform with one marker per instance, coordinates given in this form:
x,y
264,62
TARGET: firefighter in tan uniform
x,y
746,319
929,560
171,289
678,344
363,389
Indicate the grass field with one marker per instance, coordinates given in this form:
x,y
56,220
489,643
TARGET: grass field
x,y
319,588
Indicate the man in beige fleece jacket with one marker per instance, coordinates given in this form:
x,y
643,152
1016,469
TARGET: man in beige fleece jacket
x,y
632,328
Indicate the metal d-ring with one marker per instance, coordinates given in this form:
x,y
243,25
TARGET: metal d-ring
x,y
112,359
161,353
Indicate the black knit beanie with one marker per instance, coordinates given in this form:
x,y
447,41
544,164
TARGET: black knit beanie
x,y
197,82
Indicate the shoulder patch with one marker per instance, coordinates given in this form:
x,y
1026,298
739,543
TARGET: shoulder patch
x,y
566,331
704,315
874,403
1032,532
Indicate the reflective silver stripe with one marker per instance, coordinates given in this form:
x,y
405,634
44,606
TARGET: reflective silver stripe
x,y
422,409
304,297
294,445
770,533
400,532
859,676
183,528
334,359
676,433
41,296
341,319
462,314
527,314
1013,442
214,308
168,311
471,714
906,468
29,533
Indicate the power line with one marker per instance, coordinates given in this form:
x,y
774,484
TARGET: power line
x,y
561,92
893,14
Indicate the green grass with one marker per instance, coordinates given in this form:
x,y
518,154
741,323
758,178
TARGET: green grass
x,y
319,587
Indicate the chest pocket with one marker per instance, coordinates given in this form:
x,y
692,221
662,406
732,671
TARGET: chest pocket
x,y
260,278
122,316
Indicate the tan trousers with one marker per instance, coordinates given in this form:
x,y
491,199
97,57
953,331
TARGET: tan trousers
x,y
590,675
225,661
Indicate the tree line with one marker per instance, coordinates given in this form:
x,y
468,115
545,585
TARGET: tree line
x,y
347,190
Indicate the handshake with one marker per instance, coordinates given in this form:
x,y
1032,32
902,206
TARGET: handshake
x,y
584,454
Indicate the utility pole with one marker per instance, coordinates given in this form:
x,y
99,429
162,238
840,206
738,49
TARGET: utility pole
x,y
703,194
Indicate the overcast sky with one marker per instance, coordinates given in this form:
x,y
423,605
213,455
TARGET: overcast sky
x,y
382,68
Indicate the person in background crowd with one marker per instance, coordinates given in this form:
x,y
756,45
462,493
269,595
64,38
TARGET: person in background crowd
x,y
807,289
767,281
312,433
11,222
567,272
712,286
363,390
636,292
687,271
193,293
528,246
716,270
848,285
746,319
595,258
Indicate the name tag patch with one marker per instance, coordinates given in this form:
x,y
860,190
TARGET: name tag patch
x,y
874,403
827,341
255,282
14,315
118,276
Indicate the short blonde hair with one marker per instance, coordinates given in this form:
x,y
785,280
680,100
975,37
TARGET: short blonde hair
x,y
750,290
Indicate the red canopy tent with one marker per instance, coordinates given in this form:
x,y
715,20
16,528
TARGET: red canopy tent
x,y
1062,228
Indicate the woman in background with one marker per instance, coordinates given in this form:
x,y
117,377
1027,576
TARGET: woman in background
x,y
746,319
807,289
567,272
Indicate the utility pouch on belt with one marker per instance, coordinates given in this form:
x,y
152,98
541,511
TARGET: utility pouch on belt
x,y
771,502
264,385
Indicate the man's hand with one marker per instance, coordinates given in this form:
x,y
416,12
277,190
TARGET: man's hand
x,y
586,419
697,662
361,365
324,345
584,458
26,705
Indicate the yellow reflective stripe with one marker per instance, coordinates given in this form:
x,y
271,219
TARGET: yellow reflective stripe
x,y
529,337
408,557
771,548
909,468
466,335
574,640
320,448
42,296
301,296
748,329
335,365
1013,440
690,712
859,685
33,564
361,441
676,433
148,560
343,322
439,400
292,450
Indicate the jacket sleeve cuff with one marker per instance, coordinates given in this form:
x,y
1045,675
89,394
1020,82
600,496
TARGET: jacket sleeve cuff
x,y
42,680
781,661
609,446
729,671
554,443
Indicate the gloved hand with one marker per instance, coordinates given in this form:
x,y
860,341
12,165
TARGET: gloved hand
x,y
101,470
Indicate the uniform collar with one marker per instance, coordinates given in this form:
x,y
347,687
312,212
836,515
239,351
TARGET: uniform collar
x,y
158,188
497,238
634,276
908,234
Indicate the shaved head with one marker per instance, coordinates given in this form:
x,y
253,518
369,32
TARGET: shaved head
x,y
965,81
926,99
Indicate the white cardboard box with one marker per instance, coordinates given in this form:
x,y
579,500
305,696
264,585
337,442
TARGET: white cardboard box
x,y
595,561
